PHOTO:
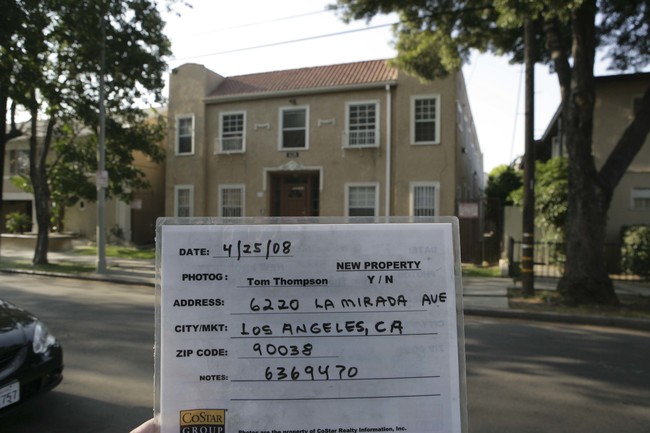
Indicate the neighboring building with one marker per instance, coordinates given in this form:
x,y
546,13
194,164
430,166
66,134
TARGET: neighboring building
x,y
358,139
617,98
128,223
16,164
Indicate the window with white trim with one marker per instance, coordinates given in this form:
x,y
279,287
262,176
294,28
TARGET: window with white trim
x,y
18,162
231,200
232,132
294,132
424,198
185,135
362,199
362,124
640,197
184,200
425,119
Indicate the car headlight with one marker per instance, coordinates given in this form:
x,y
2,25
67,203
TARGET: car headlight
x,y
43,340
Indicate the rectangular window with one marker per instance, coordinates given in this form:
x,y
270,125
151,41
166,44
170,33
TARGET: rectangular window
x,y
294,133
425,118
362,124
641,198
184,200
362,200
185,135
233,126
424,198
231,200
18,162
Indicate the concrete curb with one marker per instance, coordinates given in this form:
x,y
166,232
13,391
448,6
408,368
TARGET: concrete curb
x,y
618,322
110,277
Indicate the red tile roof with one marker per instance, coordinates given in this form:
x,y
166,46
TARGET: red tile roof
x,y
319,77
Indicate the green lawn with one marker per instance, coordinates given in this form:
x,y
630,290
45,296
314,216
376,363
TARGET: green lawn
x,y
480,271
61,267
121,252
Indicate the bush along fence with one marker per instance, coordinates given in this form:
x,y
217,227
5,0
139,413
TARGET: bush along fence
x,y
628,260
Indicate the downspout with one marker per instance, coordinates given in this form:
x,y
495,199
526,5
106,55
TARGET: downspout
x,y
389,109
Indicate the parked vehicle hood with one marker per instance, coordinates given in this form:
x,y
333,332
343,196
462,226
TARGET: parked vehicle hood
x,y
13,321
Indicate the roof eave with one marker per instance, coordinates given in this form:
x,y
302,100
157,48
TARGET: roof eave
x,y
297,92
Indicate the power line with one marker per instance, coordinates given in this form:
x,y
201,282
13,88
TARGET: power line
x,y
254,24
292,41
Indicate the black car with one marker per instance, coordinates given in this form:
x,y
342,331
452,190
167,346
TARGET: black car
x,y
31,359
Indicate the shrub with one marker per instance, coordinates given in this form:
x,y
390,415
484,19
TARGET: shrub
x,y
635,251
18,222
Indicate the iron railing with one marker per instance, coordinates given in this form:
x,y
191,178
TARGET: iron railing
x,y
549,260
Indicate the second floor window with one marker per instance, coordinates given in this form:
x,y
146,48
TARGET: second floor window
x,y
293,128
18,162
185,135
232,132
362,124
425,118
641,198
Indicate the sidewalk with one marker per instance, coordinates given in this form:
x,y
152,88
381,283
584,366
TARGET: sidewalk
x,y
126,271
482,296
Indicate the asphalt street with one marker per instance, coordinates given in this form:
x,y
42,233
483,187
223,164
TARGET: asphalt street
x,y
522,376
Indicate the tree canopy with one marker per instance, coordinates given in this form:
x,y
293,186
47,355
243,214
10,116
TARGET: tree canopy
x,y
502,181
51,62
435,37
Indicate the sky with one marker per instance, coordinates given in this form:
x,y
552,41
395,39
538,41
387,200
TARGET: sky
x,y
248,36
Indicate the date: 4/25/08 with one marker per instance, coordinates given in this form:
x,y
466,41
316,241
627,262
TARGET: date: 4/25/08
x,y
265,250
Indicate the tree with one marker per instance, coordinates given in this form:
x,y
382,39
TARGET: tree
x,y
435,37
53,72
502,181
75,158
551,193
13,38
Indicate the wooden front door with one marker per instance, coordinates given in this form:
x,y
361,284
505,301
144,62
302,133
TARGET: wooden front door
x,y
294,194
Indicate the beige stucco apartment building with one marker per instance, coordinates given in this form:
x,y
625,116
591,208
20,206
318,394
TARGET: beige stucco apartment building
x,y
357,139
617,99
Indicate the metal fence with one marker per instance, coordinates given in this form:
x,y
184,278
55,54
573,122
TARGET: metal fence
x,y
549,259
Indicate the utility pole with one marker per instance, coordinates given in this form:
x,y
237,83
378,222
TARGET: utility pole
x,y
102,178
528,239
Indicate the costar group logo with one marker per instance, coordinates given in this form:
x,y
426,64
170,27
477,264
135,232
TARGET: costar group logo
x,y
203,421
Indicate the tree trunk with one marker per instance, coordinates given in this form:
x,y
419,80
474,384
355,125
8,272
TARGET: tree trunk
x,y
38,175
41,199
585,280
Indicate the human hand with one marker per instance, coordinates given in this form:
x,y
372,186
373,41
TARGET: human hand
x,y
148,427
